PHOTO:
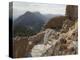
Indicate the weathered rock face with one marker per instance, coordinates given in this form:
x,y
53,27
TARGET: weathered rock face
x,y
49,42
38,50
55,22
72,12
58,43
65,44
67,24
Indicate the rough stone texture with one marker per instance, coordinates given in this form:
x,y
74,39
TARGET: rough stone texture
x,y
49,42
67,24
38,50
72,12
58,43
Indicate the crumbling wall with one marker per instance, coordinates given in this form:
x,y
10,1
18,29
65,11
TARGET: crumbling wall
x,y
72,12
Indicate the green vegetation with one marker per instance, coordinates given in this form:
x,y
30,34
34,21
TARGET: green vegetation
x,y
23,31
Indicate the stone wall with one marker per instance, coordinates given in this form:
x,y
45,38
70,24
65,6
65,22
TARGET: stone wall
x,y
72,12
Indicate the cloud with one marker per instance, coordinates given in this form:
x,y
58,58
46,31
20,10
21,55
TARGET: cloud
x,y
21,7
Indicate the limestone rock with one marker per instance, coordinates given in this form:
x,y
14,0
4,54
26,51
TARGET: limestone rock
x,y
39,50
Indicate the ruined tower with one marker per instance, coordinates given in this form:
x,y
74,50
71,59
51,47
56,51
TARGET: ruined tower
x,y
72,12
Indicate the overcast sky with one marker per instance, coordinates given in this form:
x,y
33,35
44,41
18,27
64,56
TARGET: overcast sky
x,y
20,8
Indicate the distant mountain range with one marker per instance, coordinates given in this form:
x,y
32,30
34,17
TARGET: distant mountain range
x,y
32,21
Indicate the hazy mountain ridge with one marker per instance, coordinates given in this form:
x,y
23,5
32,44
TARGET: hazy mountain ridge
x,y
33,21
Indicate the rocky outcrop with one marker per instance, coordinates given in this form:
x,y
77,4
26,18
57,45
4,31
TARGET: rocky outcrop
x,y
55,23
67,24
58,43
49,42
67,43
